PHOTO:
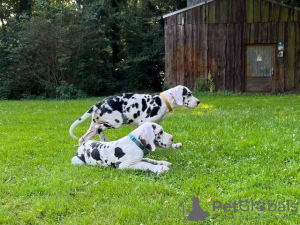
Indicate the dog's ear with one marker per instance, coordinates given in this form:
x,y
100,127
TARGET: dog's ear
x,y
147,137
176,93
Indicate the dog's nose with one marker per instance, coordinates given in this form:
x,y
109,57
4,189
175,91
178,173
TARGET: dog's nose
x,y
198,102
172,138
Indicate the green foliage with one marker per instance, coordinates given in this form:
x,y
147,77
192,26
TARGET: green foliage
x,y
211,84
201,85
99,47
236,147
68,91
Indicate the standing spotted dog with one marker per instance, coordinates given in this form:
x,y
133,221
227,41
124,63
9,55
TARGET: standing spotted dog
x,y
134,109
129,151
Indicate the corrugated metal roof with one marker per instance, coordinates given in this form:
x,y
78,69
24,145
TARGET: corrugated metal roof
x,y
282,4
185,9
208,1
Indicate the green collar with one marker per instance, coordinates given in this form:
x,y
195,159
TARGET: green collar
x,y
142,147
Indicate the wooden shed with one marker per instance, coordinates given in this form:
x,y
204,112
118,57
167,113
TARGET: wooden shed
x,y
246,45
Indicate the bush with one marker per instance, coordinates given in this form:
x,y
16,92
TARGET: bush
x,y
68,91
201,85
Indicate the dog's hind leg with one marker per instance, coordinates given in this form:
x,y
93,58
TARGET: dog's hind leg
x,y
77,161
109,124
102,135
92,131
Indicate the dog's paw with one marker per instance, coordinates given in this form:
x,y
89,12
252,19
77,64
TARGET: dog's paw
x,y
177,145
161,169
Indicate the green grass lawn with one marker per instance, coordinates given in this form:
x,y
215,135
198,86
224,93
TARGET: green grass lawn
x,y
236,148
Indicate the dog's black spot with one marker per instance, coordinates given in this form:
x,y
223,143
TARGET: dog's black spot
x,y
105,160
113,165
81,157
148,146
130,121
99,104
104,110
128,109
144,105
107,125
79,119
95,154
99,130
88,153
135,116
154,111
128,95
95,145
94,120
125,103
158,101
117,121
151,102
143,141
154,127
115,105
136,105
90,110
184,91
119,152
148,111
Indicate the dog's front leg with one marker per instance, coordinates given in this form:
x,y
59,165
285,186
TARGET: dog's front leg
x,y
156,162
148,166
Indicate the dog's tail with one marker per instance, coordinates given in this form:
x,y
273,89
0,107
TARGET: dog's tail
x,y
81,119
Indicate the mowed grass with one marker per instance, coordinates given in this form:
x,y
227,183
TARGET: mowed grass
x,y
236,147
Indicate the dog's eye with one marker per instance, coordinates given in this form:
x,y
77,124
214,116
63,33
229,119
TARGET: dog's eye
x,y
161,132
189,94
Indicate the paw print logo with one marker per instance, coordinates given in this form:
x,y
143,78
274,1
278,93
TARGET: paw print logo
x,y
260,206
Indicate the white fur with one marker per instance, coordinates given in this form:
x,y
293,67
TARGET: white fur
x,y
101,120
124,153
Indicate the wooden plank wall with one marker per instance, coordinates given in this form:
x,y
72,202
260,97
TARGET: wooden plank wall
x,y
297,67
261,11
211,38
194,57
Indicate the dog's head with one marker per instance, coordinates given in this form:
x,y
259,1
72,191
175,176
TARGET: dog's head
x,y
183,97
152,135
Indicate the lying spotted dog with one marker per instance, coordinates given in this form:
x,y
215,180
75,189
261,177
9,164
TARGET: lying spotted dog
x,y
128,152
134,109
